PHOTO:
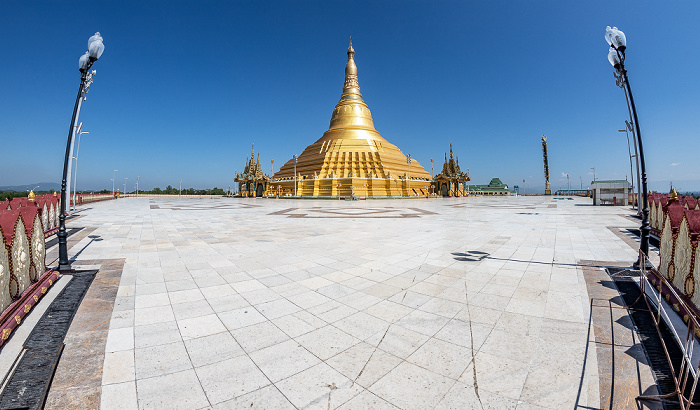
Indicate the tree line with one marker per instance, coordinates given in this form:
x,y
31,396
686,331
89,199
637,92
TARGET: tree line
x,y
169,190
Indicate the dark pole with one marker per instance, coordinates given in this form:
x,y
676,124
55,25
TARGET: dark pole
x,y
63,262
621,82
644,245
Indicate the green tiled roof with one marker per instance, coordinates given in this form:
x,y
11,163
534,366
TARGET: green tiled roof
x,y
494,185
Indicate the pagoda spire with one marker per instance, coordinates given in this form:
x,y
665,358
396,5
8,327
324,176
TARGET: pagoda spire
x,y
351,87
351,112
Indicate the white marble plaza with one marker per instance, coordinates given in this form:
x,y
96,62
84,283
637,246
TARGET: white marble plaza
x,y
429,303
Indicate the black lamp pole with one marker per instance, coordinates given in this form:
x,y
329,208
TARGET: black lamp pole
x,y
617,42
95,49
63,262
645,229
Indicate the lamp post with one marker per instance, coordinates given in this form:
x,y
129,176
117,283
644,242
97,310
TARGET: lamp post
x,y
114,175
620,82
629,151
431,167
408,160
636,157
279,190
593,168
365,185
272,167
75,175
137,186
95,50
432,187
295,175
568,184
618,43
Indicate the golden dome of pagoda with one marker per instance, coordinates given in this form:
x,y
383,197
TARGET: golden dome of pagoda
x,y
352,152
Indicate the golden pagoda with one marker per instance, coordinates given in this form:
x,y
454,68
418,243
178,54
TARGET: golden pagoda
x,y
351,158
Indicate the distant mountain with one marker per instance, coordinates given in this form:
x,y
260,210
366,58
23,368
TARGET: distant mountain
x,y
43,186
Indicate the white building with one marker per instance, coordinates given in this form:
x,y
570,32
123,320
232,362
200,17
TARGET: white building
x,y
611,192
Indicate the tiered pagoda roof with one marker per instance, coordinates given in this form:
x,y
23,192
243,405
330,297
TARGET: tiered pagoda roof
x,y
253,170
451,170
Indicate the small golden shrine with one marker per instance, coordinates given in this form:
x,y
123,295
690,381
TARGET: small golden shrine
x,y
252,181
451,181
351,158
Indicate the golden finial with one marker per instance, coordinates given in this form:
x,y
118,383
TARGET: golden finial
x,y
55,193
31,196
351,88
673,194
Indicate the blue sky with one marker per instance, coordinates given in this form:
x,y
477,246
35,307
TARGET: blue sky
x,y
184,88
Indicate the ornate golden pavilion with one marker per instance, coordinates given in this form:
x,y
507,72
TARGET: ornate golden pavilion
x,y
451,181
252,181
351,157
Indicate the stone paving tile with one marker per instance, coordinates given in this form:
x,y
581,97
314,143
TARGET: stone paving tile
x,y
327,341
160,360
181,390
283,360
227,379
268,397
241,307
408,386
259,336
152,335
324,388
119,396
364,363
210,349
